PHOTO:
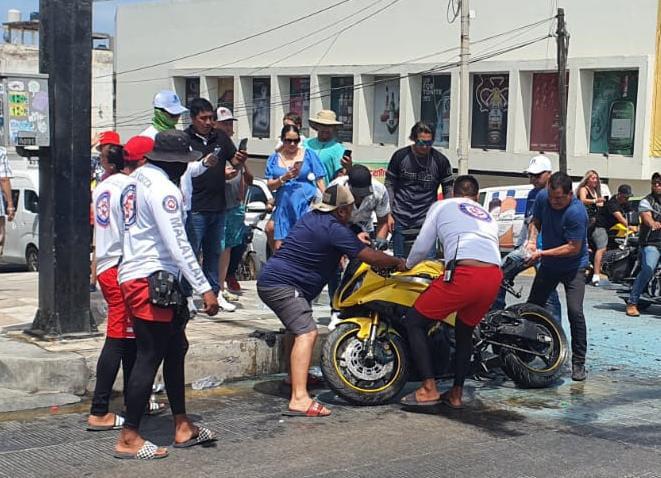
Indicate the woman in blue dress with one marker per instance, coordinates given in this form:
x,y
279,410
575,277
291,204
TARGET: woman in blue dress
x,y
297,176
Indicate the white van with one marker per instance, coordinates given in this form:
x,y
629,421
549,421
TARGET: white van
x,y
508,206
22,234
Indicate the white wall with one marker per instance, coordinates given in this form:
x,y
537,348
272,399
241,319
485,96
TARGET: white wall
x,y
605,34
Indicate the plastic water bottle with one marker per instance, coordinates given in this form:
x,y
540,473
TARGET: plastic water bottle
x,y
207,382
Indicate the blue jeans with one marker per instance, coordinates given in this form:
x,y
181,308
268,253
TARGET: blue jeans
x,y
649,259
402,244
513,265
206,231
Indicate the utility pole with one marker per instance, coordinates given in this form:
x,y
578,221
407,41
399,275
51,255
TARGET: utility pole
x,y
464,94
563,46
65,54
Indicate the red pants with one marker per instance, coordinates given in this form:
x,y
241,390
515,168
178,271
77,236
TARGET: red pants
x,y
136,295
470,294
120,324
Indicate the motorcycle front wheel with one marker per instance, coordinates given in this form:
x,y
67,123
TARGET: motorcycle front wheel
x,y
357,378
543,366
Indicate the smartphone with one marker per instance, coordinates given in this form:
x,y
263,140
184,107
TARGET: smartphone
x,y
243,145
347,152
216,151
606,198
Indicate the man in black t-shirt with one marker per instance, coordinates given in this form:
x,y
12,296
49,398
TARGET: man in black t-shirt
x,y
413,178
205,224
614,211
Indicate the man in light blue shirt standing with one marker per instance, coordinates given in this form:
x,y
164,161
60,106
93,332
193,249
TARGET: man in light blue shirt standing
x,y
326,145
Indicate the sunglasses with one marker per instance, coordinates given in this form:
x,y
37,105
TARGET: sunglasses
x,y
423,143
291,141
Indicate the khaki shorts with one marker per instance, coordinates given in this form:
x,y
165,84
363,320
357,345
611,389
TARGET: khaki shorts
x,y
293,310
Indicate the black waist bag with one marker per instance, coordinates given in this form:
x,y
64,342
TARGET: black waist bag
x,y
164,289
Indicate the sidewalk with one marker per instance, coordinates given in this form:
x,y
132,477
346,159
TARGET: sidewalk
x,y
241,344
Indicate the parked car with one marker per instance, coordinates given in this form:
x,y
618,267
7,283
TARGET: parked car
x,y
508,205
22,234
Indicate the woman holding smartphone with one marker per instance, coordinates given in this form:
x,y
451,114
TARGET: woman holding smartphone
x,y
297,176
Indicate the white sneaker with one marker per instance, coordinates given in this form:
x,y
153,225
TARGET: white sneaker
x,y
227,295
595,280
224,305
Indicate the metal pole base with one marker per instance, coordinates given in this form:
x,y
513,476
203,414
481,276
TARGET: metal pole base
x,y
46,326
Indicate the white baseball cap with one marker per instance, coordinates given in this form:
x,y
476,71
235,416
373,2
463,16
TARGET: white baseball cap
x,y
539,164
169,101
224,114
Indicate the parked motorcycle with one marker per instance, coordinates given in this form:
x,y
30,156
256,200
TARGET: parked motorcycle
x,y
365,359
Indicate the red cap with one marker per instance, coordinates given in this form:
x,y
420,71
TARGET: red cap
x,y
109,137
136,148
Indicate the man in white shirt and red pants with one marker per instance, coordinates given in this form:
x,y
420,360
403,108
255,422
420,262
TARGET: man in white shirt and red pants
x,y
156,252
469,235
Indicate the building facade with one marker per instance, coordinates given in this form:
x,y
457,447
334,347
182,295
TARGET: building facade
x,y
382,66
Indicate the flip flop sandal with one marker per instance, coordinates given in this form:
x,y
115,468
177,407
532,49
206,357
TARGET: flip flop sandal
x,y
314,411
146,452
155,408
117,425
204,435
445,401
411,401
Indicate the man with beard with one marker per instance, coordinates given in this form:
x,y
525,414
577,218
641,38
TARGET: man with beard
x,y
155,253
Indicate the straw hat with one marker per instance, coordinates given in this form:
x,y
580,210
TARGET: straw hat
x,y
325,117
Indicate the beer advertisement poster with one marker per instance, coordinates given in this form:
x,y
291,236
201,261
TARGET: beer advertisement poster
x,y
386,110
490,101
613,118
435,106
341,100
299,100
545,113
261,113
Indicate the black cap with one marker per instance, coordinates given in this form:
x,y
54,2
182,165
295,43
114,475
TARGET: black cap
x,y
173,146
625,190
360,181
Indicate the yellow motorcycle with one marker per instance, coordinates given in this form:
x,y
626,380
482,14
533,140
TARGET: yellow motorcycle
x,y
365,358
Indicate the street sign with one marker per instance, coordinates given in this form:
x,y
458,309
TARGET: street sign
x,y
24,111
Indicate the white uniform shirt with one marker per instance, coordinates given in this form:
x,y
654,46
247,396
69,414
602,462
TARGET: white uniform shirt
x,y
150,132
109,220
376,203
154,234
194,169
466,231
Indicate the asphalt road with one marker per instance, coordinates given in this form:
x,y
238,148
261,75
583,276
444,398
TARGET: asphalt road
x,y
607,426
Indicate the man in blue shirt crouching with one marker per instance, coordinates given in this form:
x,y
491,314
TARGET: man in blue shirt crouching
x,y
297,273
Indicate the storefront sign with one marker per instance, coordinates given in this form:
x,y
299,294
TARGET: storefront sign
x,y
613,119
386,110
261,113
435,106
490,101
341,99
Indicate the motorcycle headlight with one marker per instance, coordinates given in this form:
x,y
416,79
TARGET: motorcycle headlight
x,y
353,287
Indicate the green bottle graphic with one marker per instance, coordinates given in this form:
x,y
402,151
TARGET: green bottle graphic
x,y
621,122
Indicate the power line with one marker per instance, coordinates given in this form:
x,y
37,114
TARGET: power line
x,y
282,45
234,42
246,111
522,28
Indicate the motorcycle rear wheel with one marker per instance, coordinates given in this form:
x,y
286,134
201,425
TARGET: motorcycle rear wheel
x,y
528,370
354,379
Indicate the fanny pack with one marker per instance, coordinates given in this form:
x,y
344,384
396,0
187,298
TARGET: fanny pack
x,y
164,290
